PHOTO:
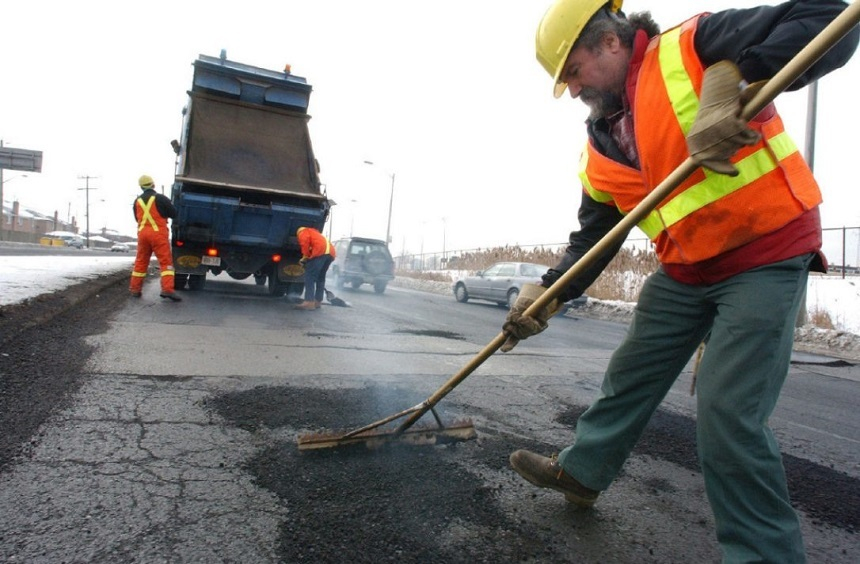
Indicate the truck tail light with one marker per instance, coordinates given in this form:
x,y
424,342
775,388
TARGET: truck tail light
x,y
276,258
212,252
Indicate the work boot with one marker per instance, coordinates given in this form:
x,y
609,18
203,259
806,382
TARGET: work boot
x,y
306,305
171,296
546,473
135,294
317,305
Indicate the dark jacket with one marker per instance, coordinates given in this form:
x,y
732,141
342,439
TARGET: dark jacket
x,y
761,41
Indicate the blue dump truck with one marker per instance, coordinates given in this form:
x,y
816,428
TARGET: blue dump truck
x,y
246,177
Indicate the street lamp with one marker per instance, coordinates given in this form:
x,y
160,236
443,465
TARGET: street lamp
x,y
2,209
390,203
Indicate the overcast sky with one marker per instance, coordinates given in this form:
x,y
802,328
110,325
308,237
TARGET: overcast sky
x,y
445,95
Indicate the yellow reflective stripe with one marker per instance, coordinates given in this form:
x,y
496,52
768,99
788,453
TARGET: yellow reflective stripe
x,y
147,217
168,272
138,274
716,186
682,95
595,194
782,145
327,247
652,225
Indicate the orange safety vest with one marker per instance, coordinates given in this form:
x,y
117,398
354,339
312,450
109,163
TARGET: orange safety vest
x,y
709,213
148,216
313,243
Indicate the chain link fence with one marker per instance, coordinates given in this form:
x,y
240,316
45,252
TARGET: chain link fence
x,y
841,246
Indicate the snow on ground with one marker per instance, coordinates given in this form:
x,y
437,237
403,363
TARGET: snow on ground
x,y
837,297
23,277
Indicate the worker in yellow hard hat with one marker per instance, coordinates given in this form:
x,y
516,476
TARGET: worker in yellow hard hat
x,y
151,212
735,240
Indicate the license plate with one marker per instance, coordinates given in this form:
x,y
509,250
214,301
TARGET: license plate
x,y
211,261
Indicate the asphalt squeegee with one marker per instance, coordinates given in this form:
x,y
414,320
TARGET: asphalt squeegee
x,y
377,434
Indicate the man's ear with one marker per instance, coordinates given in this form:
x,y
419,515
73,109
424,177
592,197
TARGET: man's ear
x,y
611,42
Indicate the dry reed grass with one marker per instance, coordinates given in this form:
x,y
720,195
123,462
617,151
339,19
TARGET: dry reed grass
x,y
621,280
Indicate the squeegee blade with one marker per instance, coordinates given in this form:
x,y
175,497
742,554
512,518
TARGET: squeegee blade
x,y
461,431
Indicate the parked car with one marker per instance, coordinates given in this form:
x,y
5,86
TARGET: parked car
x,y
501,283
76,242
119,248
360,261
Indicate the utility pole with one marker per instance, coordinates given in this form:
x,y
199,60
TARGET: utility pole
x,y
2,209
87,188
811,115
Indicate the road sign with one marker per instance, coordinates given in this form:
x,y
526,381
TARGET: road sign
x,y
20,159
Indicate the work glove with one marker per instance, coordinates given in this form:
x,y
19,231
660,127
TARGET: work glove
x,y
718,130
518,326
303,260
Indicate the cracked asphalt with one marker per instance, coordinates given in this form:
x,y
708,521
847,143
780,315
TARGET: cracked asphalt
x,y
140,431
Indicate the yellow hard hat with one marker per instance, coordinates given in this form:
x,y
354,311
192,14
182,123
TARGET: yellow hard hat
x,y
146,181
558,31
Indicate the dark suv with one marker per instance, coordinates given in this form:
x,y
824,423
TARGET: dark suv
x,y
362,261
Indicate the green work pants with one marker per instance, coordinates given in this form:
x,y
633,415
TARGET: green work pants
x,y
751,320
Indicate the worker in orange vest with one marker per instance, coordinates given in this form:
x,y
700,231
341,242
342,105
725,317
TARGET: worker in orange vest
x,y
151,211
735,240
317,255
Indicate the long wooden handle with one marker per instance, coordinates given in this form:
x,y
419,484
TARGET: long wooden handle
x,y
816,48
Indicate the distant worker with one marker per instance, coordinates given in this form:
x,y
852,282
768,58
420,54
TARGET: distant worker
x,y
151,211
317,255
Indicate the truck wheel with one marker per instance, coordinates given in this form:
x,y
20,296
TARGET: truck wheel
x,y
196,281
260,280
275,288
179,281
379,287
356,284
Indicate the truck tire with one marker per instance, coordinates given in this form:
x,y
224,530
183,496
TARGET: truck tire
x,y
179,281
379,287
276,289
196,281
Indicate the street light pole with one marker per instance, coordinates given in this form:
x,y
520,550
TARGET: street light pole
x,y
390,204
3,182
2,209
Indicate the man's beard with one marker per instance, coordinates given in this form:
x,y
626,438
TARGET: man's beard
x,y
601,103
